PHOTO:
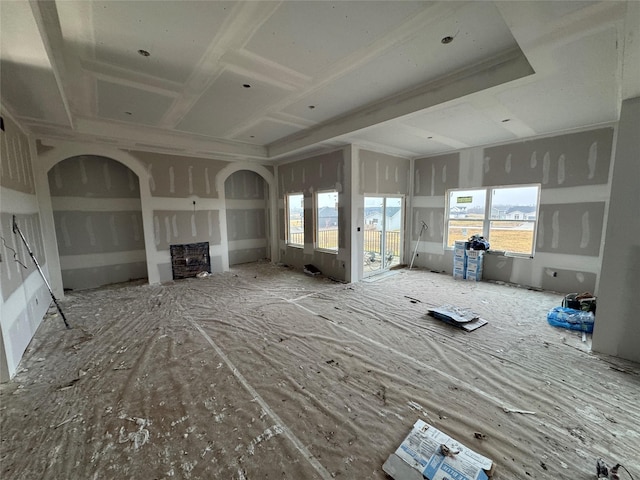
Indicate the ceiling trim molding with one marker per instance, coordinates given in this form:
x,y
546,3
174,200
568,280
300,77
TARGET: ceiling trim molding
x,y
122,76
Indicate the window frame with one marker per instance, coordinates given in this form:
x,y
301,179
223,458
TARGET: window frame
x,y
316,239
287,201
487,218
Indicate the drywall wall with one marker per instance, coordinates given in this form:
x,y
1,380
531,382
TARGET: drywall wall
x,y
308,176
185,207
382,174
573,171
24,296
617,329
246,199
98,220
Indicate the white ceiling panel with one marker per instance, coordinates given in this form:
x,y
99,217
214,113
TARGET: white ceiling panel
x,y
376,72
266,132
176,34
227,103
310,36
588,67
463,123
127,104
404,141
480,34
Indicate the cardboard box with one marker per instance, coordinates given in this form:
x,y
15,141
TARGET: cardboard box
x,y
459,263
459,252
421,456
473,267
459,273
474,276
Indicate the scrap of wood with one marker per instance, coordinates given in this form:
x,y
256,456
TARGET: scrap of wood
x,y
515,410
67,420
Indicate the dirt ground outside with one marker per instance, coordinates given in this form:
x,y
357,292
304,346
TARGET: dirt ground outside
x,y
264,373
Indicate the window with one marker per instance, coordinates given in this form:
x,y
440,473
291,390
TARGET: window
x,y
327,221
505,216
295,219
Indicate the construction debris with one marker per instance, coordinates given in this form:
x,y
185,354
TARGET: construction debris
x,y
458,317
429,453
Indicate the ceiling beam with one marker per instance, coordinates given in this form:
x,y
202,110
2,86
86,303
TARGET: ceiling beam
x,y
46,17
499,70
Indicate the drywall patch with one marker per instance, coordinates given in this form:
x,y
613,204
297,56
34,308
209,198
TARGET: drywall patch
x,y
571,228
98,232
434,218
179,227
92,277
437,174
92,176
497,267
568,281
569,160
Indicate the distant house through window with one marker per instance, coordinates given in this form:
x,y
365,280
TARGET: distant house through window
x,y
511,225
295,219
327,221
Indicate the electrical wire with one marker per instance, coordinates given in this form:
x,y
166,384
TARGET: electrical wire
x,y
625,469
15,254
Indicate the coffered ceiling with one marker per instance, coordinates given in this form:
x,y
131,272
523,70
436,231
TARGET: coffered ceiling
x,y
267,80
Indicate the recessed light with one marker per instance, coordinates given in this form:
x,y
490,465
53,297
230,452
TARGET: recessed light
x,y
246,85
144,53
506,120
447,39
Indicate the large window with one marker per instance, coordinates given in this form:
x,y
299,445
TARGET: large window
x,y
295,219
327,221
505,216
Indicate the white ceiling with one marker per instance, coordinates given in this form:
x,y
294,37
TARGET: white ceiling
x,y
320,73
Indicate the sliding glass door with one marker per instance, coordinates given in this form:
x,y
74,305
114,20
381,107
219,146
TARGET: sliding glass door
x,y
383,229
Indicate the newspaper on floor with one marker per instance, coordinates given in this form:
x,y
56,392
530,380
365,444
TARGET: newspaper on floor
x,y
429,453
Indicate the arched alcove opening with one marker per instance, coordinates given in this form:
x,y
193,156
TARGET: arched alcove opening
x,y
98,221
252,173
246,196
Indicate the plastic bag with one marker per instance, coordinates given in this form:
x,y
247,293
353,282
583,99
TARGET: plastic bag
x,y
571,319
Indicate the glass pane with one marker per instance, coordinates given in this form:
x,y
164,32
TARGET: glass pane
x,y
520,203
392,236
467,203
463,229
373,223
327,215
509,236
295,205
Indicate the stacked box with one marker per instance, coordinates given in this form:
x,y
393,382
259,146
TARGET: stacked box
x,y
460,248
460,260
473,268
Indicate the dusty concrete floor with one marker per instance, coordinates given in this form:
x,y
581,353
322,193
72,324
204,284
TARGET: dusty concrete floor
x,y
263,372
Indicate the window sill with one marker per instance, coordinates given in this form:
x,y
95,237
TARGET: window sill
x,y
324,250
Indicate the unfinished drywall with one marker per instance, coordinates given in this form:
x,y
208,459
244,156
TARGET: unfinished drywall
x,y
246,195
383,174
186,206
617,331
177,176
308,176
24,297
98,221
572,170
562,161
